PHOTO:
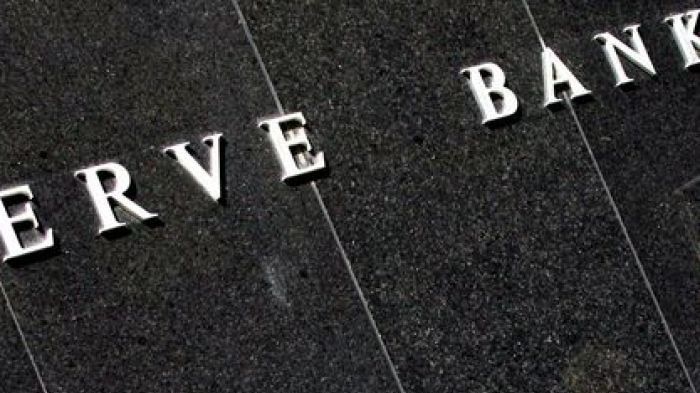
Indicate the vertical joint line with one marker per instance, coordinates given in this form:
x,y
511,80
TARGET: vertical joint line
x,y
256,52
18,327
324,210
628,238
358,290
618,216
534,24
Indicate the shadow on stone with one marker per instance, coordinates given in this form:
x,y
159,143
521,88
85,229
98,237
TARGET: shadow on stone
x,y
506,121
36,257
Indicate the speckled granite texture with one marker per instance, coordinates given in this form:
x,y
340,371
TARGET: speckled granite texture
x,y
647,141
491,258
17,375
249,296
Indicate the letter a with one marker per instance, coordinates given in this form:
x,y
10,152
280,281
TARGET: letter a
x,y
555,74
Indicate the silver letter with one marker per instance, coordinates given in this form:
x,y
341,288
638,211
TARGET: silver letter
x,y
637,54
13,246
683,28
101,198
485,94
211,182
556,73
298,162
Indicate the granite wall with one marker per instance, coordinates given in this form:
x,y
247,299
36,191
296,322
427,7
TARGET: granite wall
x,y
493,259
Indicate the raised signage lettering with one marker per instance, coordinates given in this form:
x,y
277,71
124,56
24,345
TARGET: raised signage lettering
x,y
486,92
683,28
496,101
108,184
211,181
294,151
637,54
13,246
556,74
103,200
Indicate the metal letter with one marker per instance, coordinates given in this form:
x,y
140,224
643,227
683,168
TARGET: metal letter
x,y
13,245
556,73
637,54
103,199
485,93
292,146
211,182
683,28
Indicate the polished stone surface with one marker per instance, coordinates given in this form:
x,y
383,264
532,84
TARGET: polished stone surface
x,y
647,142
247,296
492,258
17,374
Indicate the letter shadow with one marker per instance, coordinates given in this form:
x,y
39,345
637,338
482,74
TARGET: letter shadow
x,y
637,79
695,68
561,105
37,257
506,121
117,233
223,201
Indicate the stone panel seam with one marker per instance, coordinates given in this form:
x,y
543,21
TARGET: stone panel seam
x,y
618,215
22,337
324,210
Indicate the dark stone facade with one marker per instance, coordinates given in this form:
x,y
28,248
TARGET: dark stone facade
x,y
491,258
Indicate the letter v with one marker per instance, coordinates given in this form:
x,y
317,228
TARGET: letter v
x,y
210,181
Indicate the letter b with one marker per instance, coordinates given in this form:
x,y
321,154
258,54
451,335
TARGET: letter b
x,y
486,91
